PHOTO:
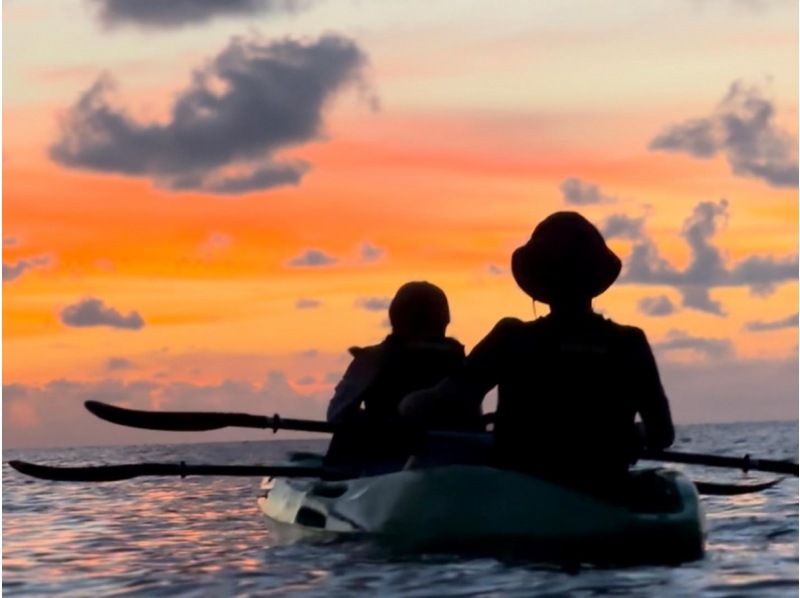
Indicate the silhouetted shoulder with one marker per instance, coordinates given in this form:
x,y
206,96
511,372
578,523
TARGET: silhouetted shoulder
x,y
631,335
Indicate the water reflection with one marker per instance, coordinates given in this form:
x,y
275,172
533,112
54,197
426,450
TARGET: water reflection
x,y
205,536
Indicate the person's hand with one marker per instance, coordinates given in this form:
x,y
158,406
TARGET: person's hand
x,y
414,406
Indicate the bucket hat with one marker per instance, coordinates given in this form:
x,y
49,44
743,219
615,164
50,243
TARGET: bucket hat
x,y
565,259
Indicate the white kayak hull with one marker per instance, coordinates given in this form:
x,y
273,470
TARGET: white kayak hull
x,y
477,507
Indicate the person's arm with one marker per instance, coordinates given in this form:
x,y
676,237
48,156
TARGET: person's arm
x,y
653,406
463,392
346,402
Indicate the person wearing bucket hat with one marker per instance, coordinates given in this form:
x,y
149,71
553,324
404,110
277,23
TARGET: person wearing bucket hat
x,y
570,384
416,354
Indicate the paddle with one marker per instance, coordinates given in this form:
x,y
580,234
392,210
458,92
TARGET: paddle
x,y
180,421
200,421
114,473
744,463
716,489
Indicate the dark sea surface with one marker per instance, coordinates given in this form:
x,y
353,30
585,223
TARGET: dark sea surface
x,y
206,537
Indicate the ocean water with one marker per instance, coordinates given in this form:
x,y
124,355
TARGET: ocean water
x,y
205,536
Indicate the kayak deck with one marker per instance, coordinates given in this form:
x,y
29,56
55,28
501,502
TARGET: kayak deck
x,y
477,507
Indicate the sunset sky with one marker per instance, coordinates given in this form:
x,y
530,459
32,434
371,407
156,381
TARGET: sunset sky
x,y
205,204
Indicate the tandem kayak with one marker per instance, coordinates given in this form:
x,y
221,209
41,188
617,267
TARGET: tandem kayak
x,y
658,519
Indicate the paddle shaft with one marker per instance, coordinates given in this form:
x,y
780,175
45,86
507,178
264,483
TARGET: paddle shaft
x,y
744,463
179,421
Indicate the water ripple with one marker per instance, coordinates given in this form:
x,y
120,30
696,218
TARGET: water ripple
x,y
205,536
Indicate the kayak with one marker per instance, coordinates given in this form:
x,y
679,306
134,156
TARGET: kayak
x,y
657,519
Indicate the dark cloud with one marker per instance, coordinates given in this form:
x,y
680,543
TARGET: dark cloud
x,y
304,303
13,270
620,226
373,303
158,14
251,102
119,363
313,258
92,312
370,253
579,193
496,270
9,241
741,128
656,306
763,326
306,381
706,268
713,348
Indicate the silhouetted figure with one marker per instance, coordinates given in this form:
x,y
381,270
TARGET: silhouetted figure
x,y
416,355
570,384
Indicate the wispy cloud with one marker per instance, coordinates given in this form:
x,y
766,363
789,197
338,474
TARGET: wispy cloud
x,y
305,303
741,128
621,226
252,101
373,303
576,192
312,258
13,270
656,306
764,326
714,348
93,312
119,363
158,14
370,253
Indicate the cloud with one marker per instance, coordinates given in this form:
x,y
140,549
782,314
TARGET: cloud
x,y
304,303
213,245
741,128
370,253
13,270
713,348
157,14
333,377
579,193
313,258
249,103
306,381
496,270
656,306
620,226
706,268
119,363
10,241
373,303
763,326
55,416
92,312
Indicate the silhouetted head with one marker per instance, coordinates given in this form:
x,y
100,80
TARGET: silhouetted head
x,y
566,261
419,310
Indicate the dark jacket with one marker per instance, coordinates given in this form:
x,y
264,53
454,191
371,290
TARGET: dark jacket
x,y
569,390
381,375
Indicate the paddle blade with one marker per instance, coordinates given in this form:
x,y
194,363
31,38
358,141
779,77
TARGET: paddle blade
x,y
716,489
108,473
115,473
174,421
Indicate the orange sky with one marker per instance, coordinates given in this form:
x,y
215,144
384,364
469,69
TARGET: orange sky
x,y
478,123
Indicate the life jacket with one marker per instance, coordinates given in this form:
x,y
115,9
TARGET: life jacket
x,y
567,396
